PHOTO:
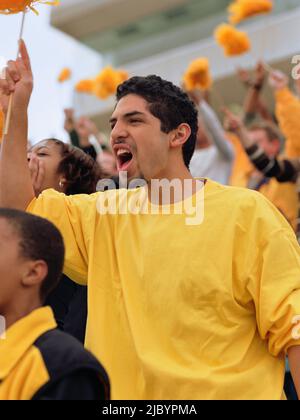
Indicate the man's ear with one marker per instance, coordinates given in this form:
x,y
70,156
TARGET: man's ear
x,y
34,273
180,135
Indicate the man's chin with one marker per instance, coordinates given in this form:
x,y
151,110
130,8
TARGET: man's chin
x,y
130,176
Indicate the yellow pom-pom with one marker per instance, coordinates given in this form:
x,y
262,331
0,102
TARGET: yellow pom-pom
x,y
8,7
64,75
101,91
108,79
85,86
107,82
198,75
233,41
244,9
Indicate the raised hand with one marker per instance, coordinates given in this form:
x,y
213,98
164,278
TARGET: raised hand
x,y
278,80
195,96
234,123
260,74
69,120
244,76
18,81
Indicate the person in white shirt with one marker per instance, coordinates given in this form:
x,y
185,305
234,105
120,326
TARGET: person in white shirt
x,y
214,154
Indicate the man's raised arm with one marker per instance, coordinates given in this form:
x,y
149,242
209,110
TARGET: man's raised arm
x,y
16,189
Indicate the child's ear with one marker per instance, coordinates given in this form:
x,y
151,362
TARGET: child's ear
x,y
34,273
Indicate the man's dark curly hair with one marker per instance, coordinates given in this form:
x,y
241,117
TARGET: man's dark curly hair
x,y
82,173
168,103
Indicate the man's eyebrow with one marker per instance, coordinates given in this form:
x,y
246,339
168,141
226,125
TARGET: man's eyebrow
x,y
128,115
134,114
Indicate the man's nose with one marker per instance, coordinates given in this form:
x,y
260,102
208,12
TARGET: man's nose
x,y
118,133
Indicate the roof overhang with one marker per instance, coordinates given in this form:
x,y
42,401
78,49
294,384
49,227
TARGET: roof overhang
x,y
82,18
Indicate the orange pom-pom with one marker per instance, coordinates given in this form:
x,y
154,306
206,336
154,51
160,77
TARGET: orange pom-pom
x,y
85,86
8,7
101,91
244,9
198,75
64,75
107,82
233,41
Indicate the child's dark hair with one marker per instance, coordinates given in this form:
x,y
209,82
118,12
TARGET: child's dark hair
x,y
38,240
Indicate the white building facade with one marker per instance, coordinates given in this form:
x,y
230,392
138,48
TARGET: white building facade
x,y
162,37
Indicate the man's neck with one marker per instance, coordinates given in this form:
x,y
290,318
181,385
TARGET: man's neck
x,y
174,172
172,186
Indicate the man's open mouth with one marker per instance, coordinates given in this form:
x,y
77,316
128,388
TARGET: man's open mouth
x,y
124,158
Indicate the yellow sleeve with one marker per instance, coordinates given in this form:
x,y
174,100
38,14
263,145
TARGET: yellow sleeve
x,y
288,115
242,165
274,280
75,217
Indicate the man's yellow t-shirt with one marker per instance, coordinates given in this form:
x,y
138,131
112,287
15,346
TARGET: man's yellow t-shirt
x,y
178,311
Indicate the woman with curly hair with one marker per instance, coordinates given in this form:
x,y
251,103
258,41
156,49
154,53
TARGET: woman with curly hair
x,y
63,167
67,169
